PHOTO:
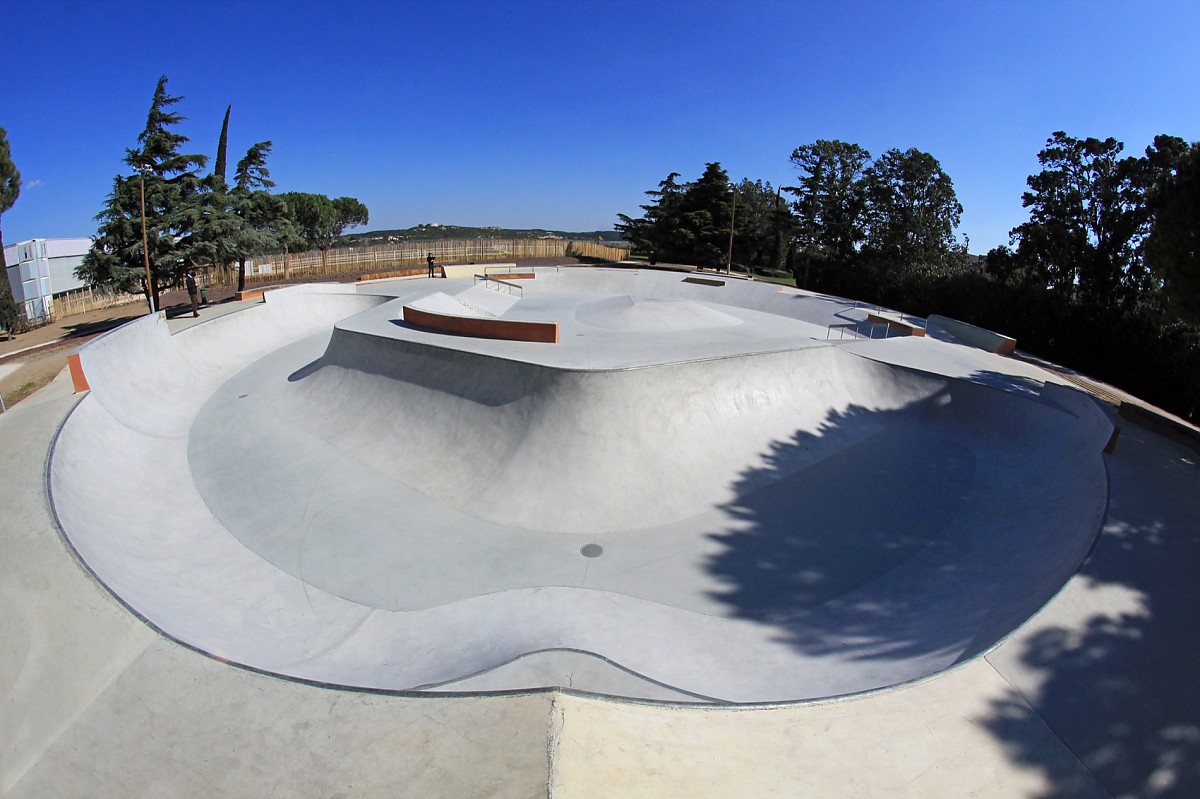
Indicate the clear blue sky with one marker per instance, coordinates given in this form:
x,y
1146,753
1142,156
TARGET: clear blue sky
x,y
560,115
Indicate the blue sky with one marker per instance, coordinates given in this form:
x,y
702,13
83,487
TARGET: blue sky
x,y
561,114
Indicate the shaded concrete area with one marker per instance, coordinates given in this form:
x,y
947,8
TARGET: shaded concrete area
x,y
1087,699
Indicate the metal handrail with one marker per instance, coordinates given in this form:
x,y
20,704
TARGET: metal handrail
x,y
842,328
509,285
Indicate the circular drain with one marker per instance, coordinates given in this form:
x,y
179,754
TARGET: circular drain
x,y
591,550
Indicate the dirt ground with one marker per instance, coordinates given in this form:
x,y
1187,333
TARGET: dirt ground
x,y
32,359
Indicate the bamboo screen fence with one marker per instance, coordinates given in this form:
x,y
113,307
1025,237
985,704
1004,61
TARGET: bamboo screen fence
x,y
351,260
385,257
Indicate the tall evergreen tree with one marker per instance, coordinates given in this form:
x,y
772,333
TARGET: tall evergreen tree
x,y
686,224
172,196
763,224
10,189
657,232
222,146
262,219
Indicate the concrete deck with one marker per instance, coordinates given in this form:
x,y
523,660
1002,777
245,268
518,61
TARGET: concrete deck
x,y
979,734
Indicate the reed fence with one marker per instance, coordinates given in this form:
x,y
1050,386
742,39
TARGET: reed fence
x,y
399,255
86,299
348,260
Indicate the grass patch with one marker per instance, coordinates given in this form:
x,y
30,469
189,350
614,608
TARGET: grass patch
x,y
27,388
781,281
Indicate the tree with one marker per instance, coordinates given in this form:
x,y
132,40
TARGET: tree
x,y
1173,247
10,189
1087,221
830,205
762,226
657,232
262,219
706,211
172,190
320,220
688,223
222,146
911,214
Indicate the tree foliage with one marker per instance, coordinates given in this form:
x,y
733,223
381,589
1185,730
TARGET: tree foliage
x,y
262,223
222,146
763,227
864,224
1087,222
830,203
688,223
190,220
174,211
319,220
911,212
1173,247
10,189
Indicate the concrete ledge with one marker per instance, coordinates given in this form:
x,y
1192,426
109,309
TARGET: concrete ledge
x,y
704,281
972,335
252,294
481,327
1159,423
414,271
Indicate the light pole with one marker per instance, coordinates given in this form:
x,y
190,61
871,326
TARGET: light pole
x,y
732,217
145,243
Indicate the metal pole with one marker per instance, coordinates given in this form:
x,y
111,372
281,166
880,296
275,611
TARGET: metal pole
x,y
145,242
732,217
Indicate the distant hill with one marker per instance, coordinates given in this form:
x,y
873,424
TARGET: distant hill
x,y
433,230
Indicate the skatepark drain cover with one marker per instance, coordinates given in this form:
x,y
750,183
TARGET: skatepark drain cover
x,y
591,550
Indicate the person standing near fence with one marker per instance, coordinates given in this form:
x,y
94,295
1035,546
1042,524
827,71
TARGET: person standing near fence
x,y
429,260
193,292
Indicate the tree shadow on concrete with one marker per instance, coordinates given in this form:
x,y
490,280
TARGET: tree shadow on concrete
x,y
845,539
866,539
1119,687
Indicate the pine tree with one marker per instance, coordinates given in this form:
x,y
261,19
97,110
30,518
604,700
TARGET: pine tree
x,y
262,223
10,189
174,205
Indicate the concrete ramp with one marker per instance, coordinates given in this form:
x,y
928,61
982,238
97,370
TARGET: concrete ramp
x,y
357,503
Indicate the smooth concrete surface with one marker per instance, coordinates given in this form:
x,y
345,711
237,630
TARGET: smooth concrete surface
x,y
947,329
773,518
93,703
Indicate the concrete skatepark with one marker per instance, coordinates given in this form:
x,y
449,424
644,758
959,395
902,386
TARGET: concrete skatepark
x,y
706,493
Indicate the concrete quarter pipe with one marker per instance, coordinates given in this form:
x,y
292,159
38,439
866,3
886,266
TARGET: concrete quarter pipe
x,y
697,494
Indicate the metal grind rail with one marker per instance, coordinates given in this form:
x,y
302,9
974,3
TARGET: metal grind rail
x,y
507,285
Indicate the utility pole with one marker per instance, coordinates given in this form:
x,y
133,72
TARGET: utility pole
x,y
145,242
732,217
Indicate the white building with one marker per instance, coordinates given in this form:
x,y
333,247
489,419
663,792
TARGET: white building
x,y
41,269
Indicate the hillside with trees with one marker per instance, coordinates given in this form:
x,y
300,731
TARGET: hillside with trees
x,y
434,231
